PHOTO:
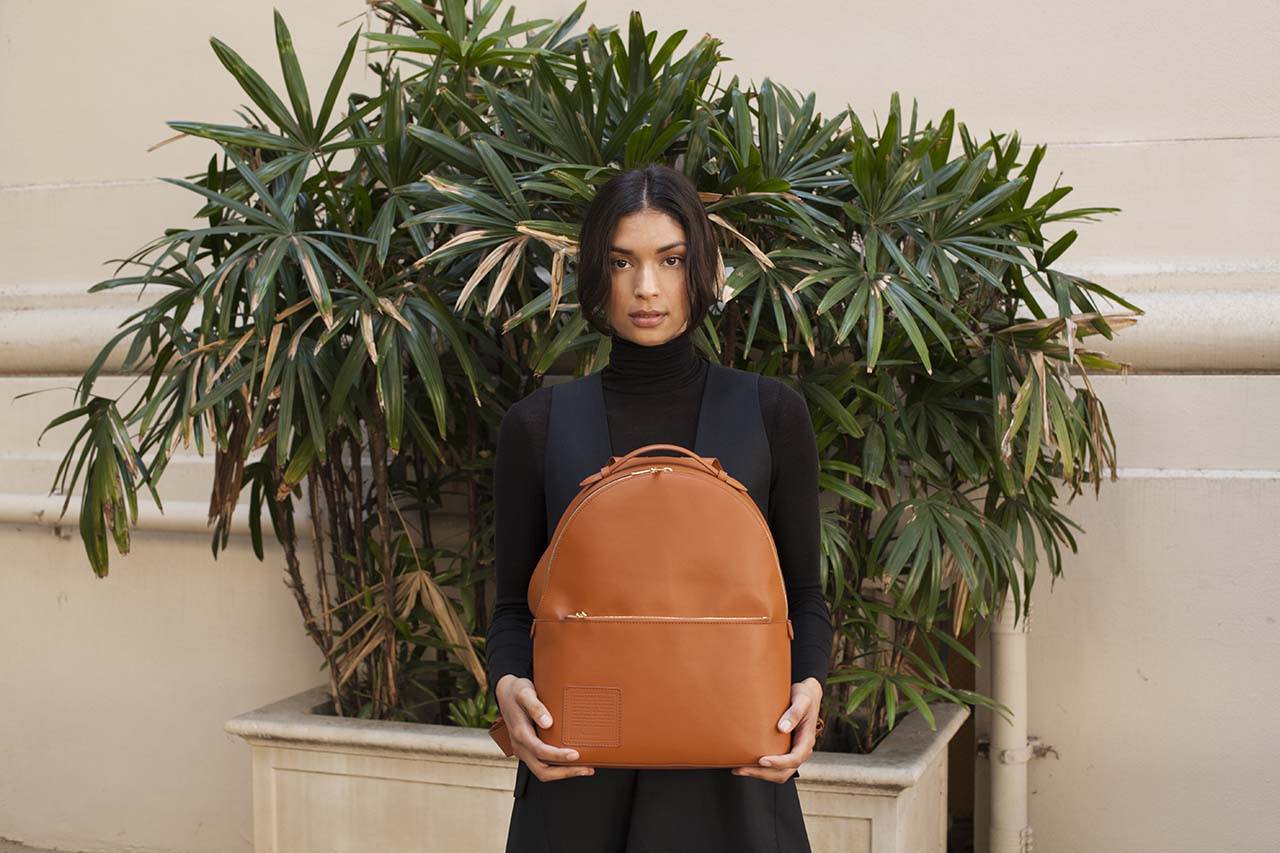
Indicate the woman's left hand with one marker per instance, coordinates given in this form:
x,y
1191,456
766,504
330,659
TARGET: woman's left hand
x,y
802,720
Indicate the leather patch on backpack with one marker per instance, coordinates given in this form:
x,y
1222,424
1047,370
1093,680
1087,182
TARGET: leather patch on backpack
x,y
593,716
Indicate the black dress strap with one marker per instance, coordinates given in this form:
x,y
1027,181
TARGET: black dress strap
x,y
731,428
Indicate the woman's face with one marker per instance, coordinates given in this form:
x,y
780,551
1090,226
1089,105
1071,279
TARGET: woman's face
x,y
647,255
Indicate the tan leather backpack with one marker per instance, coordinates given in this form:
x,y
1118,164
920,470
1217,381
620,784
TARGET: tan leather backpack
x,y
660,629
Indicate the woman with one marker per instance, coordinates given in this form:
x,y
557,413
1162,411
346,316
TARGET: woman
x,y
647,274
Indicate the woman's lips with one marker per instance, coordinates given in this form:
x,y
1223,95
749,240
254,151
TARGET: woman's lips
x,y
647,319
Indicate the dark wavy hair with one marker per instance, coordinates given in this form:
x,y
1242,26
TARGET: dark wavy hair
x,y
652,187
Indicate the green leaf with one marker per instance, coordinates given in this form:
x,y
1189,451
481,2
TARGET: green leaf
x,y
840,487
501,177
1033,438
447,149
390,381
257,89
293,79
335,84
230,134
918,701
875,327
300,463
432,377
863,691
311,404
834,408
909,324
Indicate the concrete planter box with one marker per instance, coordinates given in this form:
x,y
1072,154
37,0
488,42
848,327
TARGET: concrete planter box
x,y
324,784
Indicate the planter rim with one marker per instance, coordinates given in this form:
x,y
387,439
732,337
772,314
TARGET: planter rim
x,y
897,763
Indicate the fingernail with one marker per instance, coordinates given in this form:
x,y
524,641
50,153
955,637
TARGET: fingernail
x,y
545,720
766,762
784,725
573,756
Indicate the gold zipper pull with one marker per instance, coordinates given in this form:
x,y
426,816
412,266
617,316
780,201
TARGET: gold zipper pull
x,y
577,614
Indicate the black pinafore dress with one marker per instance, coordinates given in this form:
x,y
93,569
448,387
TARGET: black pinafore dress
x,y
660,810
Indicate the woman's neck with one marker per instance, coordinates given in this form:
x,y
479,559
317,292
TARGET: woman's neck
x,y
636,368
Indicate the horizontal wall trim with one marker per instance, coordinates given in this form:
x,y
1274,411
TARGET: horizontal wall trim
x,y
22,509
178,516
1208,318
1196,474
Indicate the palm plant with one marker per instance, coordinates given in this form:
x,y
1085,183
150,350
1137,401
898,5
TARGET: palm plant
x,y
350,335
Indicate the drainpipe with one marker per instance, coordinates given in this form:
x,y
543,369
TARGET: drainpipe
x,y
1010,750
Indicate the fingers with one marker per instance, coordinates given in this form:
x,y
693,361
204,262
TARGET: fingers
x,y
535,752
547,753
778,775
532,705
778,768
539,754
800,719
802,743
550,772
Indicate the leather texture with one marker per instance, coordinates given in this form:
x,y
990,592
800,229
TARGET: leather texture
x,y
501,736
660,630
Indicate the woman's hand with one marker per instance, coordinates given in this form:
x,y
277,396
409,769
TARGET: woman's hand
x,y
806,702
519,704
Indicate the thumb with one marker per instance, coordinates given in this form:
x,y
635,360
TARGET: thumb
x,y
793,714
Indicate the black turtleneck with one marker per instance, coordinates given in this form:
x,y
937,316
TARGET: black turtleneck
x,y
652,394
652,369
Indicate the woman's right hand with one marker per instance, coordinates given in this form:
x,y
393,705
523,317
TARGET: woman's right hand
x,y
519,705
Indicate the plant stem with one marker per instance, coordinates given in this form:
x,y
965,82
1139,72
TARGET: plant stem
x,y
382,497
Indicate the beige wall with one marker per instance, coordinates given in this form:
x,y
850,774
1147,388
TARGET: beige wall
x,y
1153,662
113,692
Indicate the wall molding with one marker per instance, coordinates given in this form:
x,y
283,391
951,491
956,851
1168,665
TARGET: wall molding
x,y
1196,474
1206,318
178,517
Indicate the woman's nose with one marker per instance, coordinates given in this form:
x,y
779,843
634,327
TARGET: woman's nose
x,y
647,280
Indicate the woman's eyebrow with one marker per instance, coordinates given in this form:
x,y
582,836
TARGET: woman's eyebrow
x,y
622,251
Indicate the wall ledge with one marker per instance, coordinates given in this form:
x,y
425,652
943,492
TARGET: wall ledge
x,y
1204,318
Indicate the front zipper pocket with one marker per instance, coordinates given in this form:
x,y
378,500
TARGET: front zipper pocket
x,y
583,616
651,688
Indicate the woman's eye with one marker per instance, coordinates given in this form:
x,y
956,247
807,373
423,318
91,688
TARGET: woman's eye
x,y
623,263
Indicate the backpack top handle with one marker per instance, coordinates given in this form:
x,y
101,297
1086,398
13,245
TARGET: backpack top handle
x,y
713,467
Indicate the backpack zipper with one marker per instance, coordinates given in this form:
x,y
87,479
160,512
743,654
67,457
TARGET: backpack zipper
x,y
582,614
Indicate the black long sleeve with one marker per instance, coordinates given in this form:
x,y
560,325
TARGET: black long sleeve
x,y
652,394
520,533
795,519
